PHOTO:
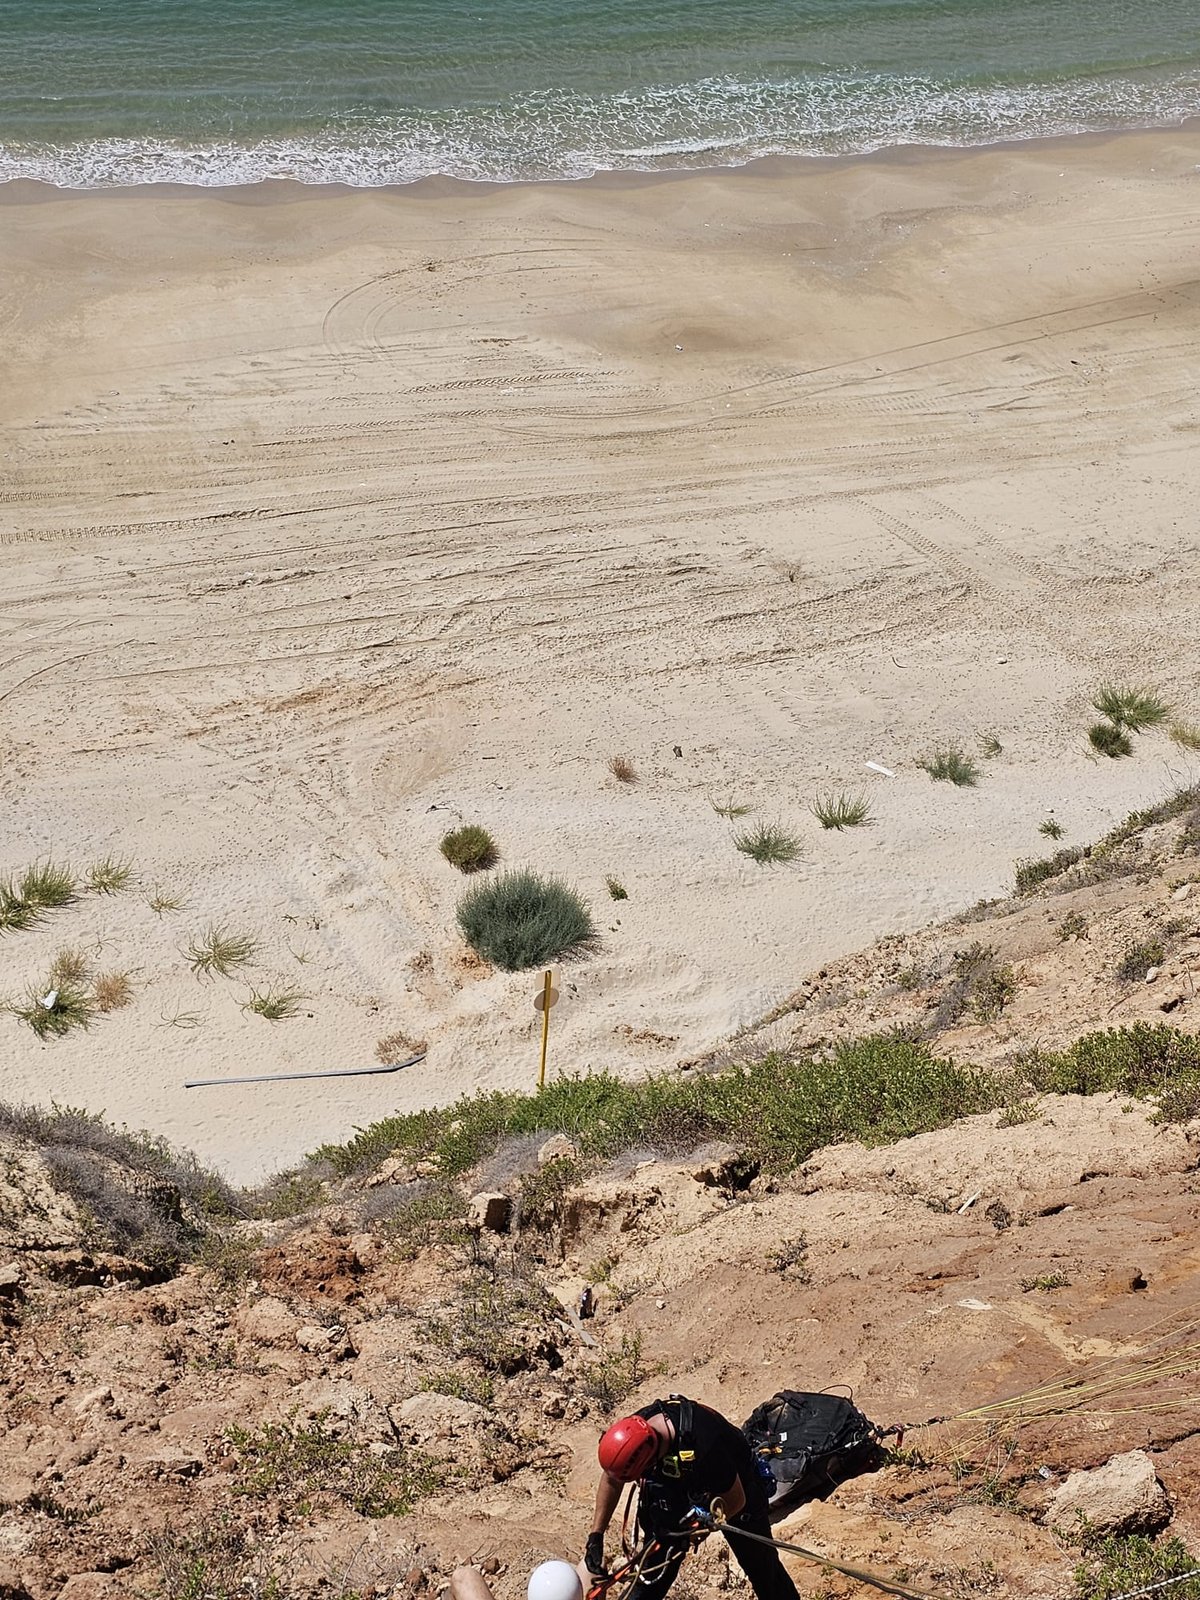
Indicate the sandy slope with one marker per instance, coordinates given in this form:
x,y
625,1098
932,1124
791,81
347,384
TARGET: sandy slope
x,y
329,520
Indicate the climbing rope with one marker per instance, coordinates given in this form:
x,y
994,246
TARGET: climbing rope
x,y
859,1574
1163,1583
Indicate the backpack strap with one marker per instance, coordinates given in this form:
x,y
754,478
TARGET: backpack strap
x,y
682,1458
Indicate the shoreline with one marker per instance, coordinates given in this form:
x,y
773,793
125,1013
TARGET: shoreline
x,y
280,191
328,527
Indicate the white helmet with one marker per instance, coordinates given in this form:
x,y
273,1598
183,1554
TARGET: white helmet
x,y
555,1580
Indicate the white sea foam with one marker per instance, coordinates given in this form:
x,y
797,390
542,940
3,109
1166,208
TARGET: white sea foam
x,y
712,122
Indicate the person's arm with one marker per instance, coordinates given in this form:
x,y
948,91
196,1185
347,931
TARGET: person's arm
x,y
608,1493
468,1583
734,1498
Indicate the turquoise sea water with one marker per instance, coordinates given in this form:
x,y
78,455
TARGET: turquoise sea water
x,y
101,92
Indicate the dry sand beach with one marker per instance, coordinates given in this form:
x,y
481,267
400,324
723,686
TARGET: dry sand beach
x,y
331,519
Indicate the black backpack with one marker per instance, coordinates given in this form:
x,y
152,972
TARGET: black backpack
x,y
806,1444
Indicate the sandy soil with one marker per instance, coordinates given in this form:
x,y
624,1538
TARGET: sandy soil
x,y
330,520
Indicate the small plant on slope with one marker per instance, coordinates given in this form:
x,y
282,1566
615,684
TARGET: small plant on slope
x,y
767,843
952,766
990,746
112,990
109,876
1185,734
274,1004
731,808
1130,707
841,810
1051,829
622,769
221,952
47,885
16,914
616,889
70,1007
470,848
1110,740
522,919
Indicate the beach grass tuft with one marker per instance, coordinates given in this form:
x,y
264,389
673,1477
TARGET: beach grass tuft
x,y
16,914
219,952
1110,740
768,843
622,769
109,876
470,848
731,808
163,900
952,766
616,889
841,810
989,746
47,885
521,919
111,991
1050,829
69,969
1131,707
274,1004
1185,734
72,1007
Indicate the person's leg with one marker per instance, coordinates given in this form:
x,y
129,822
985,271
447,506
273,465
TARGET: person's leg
x,y
761,1564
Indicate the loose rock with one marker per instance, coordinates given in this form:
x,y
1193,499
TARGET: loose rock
x,y
1123,1496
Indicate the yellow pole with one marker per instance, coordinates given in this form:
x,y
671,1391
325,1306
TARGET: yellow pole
x,y
546,982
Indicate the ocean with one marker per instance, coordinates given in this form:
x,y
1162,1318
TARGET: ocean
x,y
96,93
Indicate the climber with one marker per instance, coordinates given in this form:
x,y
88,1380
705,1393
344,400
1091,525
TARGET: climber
x,y
684,1456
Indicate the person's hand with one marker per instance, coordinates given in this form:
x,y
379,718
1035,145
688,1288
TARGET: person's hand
x,y
701,1515
593,1555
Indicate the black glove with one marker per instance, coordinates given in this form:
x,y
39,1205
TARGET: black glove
x,y
593,1555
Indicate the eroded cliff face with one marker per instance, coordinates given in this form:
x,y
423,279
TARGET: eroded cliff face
x,y
337,1406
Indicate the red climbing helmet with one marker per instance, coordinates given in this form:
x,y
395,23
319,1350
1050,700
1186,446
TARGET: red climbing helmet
x,y
628,1449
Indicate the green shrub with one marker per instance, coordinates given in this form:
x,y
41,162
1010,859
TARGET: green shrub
x,y
1185,734
1134,709
841,810
1143,1059
990,746
1110,740
1034,871
470,848
616,889
612,1377
1073,926
542,1194
1139,958
994,992
952,766
1050,829
1121,1564
302,1467
521,919
1045,1281
767,843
